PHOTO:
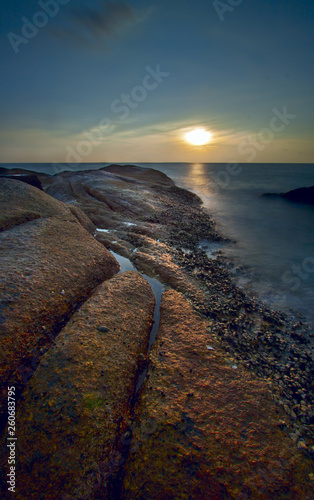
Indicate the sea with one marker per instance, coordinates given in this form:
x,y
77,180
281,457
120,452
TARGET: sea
x,y
270,251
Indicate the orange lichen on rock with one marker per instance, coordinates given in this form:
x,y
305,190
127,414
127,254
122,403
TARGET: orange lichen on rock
x,y
49,266
76,407
205,427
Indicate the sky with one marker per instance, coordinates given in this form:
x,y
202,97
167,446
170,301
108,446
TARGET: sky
x,y
100,81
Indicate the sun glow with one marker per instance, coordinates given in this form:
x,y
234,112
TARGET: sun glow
x,y
198,137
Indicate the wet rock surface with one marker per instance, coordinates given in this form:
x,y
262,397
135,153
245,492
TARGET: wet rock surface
x,y
132,200
274,346
73,417
49,266
204,426
141,215
200,425
161,236
21,203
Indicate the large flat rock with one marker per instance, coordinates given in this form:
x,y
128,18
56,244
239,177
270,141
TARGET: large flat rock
x,y
49,264
73,416
206,428
133,200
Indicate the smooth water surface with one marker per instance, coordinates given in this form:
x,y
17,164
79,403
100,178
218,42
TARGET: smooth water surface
x,y
274,238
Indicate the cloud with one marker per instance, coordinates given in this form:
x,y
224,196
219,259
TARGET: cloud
x,y
94,26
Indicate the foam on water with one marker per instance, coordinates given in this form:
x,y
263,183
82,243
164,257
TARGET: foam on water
x,y
212,249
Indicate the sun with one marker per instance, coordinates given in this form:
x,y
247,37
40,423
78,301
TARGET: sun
x,y
198,136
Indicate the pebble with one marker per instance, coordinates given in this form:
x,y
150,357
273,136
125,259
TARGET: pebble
x,y
302,445
103,329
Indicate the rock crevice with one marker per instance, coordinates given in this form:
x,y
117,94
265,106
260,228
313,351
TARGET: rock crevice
x,y
77,404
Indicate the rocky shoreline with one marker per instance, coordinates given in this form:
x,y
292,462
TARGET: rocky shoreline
x,y
226,408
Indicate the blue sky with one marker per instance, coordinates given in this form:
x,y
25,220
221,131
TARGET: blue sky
x,y
88,81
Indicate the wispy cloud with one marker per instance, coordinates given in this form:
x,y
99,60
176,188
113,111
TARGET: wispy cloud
x,y
95,26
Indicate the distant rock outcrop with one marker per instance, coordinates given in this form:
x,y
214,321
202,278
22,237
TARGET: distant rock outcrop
x,y
301,195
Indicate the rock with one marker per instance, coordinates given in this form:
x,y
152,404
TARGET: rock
x,y
22,203
145,175
103,196
203,429
73,417
142,211
48,267
31,179
113,242
4,172
169,273
138,211
300,195
203,426
134,200
83,219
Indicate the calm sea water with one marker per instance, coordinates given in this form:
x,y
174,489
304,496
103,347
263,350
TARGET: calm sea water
x,y
273,249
